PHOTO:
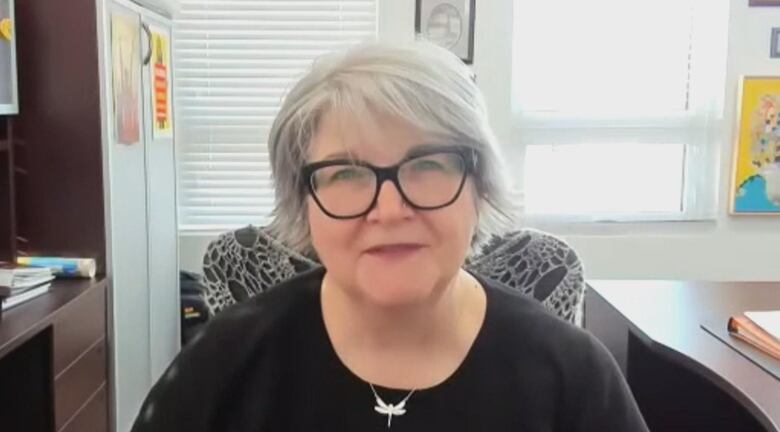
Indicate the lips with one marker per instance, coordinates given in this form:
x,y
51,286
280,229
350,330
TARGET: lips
x,y
394,250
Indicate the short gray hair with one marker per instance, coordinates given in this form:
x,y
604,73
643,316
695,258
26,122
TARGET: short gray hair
x,y
420,83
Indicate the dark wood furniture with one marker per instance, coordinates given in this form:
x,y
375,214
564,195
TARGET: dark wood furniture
x,y
51,165
684,378
53,349
7,191
53,361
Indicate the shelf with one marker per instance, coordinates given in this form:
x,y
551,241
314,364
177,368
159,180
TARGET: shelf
x,y
21,322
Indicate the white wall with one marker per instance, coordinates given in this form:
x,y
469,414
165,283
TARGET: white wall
x,y
744,248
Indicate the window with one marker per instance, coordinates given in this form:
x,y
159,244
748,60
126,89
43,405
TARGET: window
x,y
617,104
234,61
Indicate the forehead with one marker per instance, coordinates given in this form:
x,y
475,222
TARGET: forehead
x,y
378,138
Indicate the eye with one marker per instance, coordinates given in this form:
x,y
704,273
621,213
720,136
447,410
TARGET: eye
x,y
427,165
344,174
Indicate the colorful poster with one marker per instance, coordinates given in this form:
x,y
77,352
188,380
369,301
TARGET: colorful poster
x,y
160,70
126,71
756,177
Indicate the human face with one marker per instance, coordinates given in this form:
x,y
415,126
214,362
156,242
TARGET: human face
x,y
394,254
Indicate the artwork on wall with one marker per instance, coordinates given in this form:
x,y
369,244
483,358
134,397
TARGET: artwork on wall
x,y
447,23
126,67
755,187
160,70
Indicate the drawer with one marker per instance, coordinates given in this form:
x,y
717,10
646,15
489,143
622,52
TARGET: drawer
x,y
93,417
73,388
78,327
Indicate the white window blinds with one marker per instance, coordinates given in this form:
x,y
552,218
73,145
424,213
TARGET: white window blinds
x,y
617,103
235,59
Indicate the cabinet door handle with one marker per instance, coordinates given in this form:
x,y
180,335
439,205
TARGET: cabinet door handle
x,y
148,32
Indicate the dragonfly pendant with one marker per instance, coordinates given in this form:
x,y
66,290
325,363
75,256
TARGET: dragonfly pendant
x,y
390,410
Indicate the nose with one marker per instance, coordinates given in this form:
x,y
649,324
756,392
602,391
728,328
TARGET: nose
x,y
390,205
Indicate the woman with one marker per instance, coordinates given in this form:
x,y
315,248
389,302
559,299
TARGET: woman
x,y
386,168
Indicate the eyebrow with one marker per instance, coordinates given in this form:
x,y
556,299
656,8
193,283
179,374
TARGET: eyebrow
x,y
338,155
415,150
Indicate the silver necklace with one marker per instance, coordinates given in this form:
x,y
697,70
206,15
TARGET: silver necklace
x,y
390,410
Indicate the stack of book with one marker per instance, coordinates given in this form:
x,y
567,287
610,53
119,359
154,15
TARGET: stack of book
x,y
22,284
760,329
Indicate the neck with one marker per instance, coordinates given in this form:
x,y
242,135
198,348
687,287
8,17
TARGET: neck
x,y
362,325
411,347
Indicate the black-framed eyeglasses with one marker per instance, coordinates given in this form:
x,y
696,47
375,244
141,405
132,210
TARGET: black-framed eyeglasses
x,y
428,179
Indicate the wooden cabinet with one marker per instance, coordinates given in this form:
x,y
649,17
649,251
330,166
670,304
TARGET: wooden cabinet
x,y
53,349
7,196
53,361
79,356
56,137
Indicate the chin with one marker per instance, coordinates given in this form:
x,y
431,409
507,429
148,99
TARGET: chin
x,y
394,286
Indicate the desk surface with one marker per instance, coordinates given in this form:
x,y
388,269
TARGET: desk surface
x,y
668,315
21,322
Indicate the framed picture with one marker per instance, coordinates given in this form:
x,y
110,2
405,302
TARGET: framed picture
x,y
774,44
447,23
755,186
764,3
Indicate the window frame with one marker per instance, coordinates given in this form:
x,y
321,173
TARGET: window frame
x,y
700,128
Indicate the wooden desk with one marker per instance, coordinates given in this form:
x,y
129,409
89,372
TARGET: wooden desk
x,y
683,377
53,361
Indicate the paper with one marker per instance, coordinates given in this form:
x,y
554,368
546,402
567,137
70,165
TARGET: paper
x,y
162,126
62,266
769,321
14,300
20,279
126,66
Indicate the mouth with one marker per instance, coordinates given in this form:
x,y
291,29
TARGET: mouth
x,y
394,250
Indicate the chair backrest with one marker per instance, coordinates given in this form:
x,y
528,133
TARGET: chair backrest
x,y
240,264
537,264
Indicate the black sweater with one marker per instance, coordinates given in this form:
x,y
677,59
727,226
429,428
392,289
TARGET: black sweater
x,y
267,365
